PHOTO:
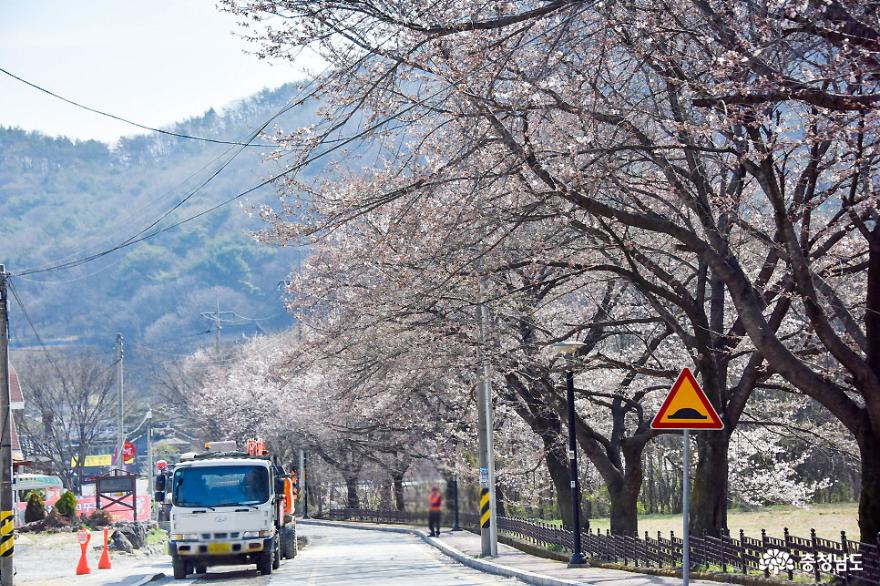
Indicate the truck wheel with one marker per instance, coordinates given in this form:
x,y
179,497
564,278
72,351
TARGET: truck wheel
x,y
276,558
201,569
264,564
180,568
288,542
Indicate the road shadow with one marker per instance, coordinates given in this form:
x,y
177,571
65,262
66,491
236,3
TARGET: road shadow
x,y
247,575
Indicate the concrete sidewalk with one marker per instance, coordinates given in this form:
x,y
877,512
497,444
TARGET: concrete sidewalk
x,y
51,559
465,547
469,544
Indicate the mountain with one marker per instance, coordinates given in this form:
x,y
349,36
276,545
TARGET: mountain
x,y
61,200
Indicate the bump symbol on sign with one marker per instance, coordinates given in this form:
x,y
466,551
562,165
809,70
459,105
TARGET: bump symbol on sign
x,y
687,407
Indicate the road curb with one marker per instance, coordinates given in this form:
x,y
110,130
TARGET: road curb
x,y
459,556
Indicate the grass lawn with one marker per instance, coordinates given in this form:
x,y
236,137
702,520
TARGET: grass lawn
x,y
828,520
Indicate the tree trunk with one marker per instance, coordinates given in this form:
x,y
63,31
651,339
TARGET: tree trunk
x,y
385,495
397,479
351,483
624,510
624,495
499,501
557,466
869,443
709,493
314,491
869,497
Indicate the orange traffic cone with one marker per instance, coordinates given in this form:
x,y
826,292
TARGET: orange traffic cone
x,y
83,566
104,563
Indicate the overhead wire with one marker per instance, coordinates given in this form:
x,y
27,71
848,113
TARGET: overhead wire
x,y
142,236
179,135
11,286
272,179
125,120
133,215
162,216
12,289
300,98
180,354
183,337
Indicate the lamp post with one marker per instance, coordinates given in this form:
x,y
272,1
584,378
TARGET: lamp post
x,y
455,524
568,350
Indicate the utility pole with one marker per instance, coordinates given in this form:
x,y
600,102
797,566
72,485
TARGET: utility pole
x,y
456,526
685,510
120,425
217,318
301,480
7,541
150,472
488,521
217,328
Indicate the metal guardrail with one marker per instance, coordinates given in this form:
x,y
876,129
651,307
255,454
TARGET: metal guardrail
x,y
791,555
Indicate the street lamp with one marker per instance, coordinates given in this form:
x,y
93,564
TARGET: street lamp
x,y
568,350
456,526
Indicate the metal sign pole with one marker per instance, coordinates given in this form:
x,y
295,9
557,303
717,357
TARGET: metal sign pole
x,y
686,407
685,512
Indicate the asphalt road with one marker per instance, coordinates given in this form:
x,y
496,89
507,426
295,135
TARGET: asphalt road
x,y
337,556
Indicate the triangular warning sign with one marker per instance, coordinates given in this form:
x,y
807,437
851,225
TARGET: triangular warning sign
x,y
686,407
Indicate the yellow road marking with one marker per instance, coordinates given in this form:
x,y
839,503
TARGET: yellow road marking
x,y
313,575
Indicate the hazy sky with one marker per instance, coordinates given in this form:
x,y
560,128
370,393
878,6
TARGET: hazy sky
x,y
152,62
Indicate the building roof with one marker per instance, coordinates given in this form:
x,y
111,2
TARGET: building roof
x,y
16,403
16,397
17,454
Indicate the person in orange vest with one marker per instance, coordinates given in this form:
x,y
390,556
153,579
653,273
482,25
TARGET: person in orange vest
x,y
435,504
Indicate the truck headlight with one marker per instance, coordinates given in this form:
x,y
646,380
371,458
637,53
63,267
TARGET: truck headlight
x,y
253,534
184,536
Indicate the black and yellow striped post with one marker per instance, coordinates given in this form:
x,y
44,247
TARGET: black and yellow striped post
x,y
485,506
7,542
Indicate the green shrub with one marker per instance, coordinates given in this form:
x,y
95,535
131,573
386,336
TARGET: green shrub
x,y
36,508
66,505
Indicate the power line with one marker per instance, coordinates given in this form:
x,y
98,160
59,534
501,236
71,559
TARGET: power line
x,y
39,338
27,317
140,212
182,337
222,204
141,236
241,319
125,120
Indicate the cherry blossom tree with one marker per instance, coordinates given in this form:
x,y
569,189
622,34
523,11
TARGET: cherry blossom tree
x,y
726,150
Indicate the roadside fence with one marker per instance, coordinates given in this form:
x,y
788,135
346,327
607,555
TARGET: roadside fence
x,y
787,557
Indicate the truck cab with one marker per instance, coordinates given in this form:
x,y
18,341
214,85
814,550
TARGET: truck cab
x,y
227,509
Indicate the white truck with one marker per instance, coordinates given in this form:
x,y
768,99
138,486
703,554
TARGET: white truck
x,y
229,508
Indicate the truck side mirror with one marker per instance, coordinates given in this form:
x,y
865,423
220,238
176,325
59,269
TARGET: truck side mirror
x,y
279,485
159,496
160,482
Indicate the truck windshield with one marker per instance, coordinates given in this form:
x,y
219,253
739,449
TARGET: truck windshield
x,y
220,486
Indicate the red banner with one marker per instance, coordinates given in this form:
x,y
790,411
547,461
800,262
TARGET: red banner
x,y
85,505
